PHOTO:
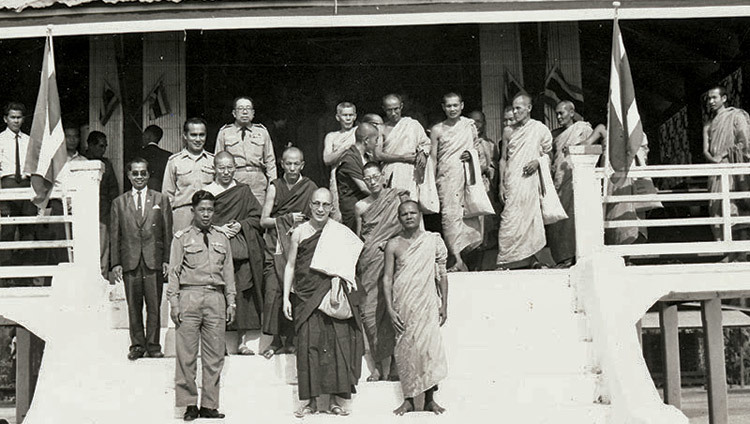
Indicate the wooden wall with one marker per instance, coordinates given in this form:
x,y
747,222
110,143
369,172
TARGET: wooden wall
x,y
563,50
164,59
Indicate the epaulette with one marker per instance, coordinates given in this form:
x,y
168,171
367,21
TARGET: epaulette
x,y
226,126
259,125
174,155
181,232
209,153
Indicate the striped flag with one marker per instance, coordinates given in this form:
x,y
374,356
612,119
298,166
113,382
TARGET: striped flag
x,y
46,155
557,89
512,87
624,123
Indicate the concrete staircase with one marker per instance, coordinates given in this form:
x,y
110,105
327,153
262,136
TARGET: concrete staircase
x,y
516,345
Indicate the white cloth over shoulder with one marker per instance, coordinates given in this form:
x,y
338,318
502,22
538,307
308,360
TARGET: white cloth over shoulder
x,y
337,252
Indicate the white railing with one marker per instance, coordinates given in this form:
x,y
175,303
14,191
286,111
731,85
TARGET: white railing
x,y
724,172
81,197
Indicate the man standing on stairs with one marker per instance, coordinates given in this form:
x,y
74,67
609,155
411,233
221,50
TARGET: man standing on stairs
x,y
415,284
321,266
141,231
201,293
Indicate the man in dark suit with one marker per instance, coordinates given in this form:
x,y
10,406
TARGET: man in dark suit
x,y
141,234
156,156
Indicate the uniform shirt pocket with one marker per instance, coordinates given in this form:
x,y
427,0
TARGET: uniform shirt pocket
x,y
194,255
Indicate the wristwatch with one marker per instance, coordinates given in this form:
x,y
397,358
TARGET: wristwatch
x,y
233,306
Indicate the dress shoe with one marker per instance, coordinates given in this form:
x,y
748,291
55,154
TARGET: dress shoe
x,y
191,413
210,413
135,354
155,354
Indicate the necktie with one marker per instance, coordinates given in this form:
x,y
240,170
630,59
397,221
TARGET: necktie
x,y
139,204
205,237
243,130
18,162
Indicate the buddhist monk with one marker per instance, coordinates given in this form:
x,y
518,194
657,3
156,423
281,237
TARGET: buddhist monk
x,y
335,144
415,283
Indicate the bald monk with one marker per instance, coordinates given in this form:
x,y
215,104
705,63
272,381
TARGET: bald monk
x,y
373,119
335,145
415,284
404,150
726,138
453,142
489,156
377,222
562,234
329,350
521,234
349,174
287,206
237,216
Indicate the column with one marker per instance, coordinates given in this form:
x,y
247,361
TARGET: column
x,y
499,50
563,51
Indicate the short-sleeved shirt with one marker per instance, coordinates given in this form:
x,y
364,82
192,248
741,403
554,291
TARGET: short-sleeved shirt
x,y
8,152
192,263
254,151
186,174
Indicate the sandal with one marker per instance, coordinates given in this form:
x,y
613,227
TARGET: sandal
x,y
245,351
338,410
305,410
268,353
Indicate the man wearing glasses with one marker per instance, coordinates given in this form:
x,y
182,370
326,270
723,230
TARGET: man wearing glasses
x,y
251,146
141,233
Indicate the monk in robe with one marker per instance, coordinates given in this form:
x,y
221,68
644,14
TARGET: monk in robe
x,y
335,144
489,157
416,293
286,207
237,215
377,222
329,350
453,142
349,173
404,150
725,140
521,233
562,234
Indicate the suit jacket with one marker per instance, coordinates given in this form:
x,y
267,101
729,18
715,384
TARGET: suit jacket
x,y
133,236
157,162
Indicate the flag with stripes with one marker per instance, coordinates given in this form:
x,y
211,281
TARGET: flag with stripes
x,y
625,131
157,102
46,155
110,101
557,89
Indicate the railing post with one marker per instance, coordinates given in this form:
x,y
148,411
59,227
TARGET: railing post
x,y
726,208
669,325
713,333
587,198
84,191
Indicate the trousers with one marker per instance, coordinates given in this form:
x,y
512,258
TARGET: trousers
x,y
144,285
202,319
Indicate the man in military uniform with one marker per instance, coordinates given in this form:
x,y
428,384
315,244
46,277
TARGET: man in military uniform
x,y
201,292
251,147
188,171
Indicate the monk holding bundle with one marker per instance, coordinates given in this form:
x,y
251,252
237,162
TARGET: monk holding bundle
x,y
416,293
562,234
321,262
377,222
237,216
454,142
521,233
287,206
404,150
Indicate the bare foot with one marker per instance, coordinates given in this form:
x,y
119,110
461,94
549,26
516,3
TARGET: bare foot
x,y
407,406
393,377
375,376
268,353
434,407
459,266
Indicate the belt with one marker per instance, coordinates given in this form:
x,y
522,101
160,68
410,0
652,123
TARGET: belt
x,y
210,287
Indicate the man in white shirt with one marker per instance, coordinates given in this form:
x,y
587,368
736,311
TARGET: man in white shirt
x,y
13,145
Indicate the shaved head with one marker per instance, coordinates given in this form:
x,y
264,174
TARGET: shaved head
x,y
322,195
567,105
364,131
523,97
223,155
292,151
372,118
392,97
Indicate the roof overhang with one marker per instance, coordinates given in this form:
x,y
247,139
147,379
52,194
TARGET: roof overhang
x,y
139,18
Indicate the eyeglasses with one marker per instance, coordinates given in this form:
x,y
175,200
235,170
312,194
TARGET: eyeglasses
x,y
372,178
244,109
139,173
324,205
